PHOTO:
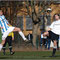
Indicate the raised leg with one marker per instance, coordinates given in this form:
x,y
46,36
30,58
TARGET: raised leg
x,y
20,32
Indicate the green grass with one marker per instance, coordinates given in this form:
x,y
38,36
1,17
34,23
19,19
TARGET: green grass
x,y
30,55
36,55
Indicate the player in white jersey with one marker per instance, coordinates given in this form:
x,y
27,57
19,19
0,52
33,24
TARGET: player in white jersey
x,y
7,29
53,32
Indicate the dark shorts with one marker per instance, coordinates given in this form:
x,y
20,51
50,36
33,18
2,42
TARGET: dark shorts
x,y
53,36
8,40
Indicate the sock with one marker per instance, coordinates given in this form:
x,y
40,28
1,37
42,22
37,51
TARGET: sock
x,y
10,48
1,46
54,50
22,35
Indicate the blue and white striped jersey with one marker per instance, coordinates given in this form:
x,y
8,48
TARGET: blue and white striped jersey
x,y
3,23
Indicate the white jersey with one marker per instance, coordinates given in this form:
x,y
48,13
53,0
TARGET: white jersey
x,y
3,23
55,27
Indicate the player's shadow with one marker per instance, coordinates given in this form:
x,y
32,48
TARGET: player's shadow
x,y
51,56
4,58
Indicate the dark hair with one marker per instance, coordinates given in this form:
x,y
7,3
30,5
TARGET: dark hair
x,y
57,15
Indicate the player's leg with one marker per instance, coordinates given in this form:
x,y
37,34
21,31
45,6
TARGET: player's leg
x,y
1,45
54,48
4,47
10,45
58,44
20,32
8,31
3,39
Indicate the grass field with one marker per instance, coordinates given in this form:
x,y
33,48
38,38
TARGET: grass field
x,y
31,55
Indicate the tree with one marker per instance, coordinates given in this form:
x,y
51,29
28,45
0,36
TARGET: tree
x,y
35,14
31,10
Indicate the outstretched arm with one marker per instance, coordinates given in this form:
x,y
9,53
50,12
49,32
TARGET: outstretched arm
x,y
0,26
51,26
7,22
12,36
48,29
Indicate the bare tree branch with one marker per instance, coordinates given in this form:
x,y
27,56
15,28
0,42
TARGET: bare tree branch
x,y
28,9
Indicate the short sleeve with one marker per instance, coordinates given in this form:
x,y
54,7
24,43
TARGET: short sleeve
x,y
52,25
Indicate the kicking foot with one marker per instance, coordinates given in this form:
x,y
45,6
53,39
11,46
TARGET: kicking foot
x,y
26,40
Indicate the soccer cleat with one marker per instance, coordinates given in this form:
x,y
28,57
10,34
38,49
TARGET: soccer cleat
x,y
26,40
11,53
4,53
53,56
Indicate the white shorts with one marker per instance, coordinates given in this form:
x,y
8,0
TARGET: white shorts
x,y
6,33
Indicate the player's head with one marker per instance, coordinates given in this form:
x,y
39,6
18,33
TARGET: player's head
x,y
56,16
1,12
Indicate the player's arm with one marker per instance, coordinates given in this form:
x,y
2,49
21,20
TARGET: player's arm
x,y
7,22
51,27
1,27
0,24
12,36
3,17
48,29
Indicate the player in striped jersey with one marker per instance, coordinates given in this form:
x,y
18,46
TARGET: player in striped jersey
x,y
7,29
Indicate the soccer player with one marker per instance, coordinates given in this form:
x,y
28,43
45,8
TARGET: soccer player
x,y
8,40
6,29
53,32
